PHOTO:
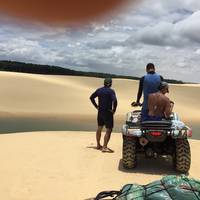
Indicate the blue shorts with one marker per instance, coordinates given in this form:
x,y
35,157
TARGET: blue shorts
x,y
146,117
144,114
153,118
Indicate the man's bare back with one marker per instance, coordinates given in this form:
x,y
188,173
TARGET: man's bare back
x,y
159,105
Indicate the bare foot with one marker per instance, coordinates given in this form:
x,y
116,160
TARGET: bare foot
x,y
107,150
99,147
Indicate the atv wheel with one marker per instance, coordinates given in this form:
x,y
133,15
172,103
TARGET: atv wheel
x,y
182,156
129,153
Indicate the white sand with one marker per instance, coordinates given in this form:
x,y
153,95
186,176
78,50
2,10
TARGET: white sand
x,y
28,93
64,165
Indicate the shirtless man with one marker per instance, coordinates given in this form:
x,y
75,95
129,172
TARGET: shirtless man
x,y
159,106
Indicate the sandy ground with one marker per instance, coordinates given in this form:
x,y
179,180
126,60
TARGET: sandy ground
x,y
62,165
65,165
49,103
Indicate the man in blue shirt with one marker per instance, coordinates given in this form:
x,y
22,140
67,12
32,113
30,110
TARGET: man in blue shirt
x,y
107,104
148,84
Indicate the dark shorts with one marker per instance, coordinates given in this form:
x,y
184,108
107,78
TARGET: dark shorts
x,y
146,117
105,118
144,114
153,118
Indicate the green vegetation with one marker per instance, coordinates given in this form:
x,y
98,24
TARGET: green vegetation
x,y
55,70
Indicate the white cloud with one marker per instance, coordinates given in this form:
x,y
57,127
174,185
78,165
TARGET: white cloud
x,y
165,32
190,27
27,50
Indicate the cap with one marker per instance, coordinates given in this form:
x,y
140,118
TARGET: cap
x,y
164,85
107,81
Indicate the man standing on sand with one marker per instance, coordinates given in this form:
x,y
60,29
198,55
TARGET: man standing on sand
x,y
159,105
107,105
148,84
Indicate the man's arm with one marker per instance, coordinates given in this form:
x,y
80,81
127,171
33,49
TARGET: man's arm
x,y
161,78
140,90
92,99
114,99
151,104
168,108
114,106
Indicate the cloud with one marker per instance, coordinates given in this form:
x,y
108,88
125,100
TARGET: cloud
x,y
27,50
180,34
190,27
163,32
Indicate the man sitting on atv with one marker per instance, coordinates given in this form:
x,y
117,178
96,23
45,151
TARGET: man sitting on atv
x,y
159,106
148,84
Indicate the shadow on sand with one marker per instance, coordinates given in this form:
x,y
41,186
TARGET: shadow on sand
x,y
159,166
30,122
14,123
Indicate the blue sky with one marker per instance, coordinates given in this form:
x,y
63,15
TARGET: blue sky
x,y
165,32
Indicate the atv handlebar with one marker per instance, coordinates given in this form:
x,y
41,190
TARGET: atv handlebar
x,y
135,104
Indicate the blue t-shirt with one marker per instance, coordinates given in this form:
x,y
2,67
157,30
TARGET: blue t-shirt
x,y
106,97
150,85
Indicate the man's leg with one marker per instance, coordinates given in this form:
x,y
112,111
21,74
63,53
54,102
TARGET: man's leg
x,y
100,123
98,136
107,138
109,127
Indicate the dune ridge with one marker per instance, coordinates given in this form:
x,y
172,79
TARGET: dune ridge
x,y
31,97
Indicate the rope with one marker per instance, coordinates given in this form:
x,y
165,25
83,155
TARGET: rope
x,y
105,194
145,191
193,190
166,189
115,194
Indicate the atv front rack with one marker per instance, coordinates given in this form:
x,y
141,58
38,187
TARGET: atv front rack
x,y
164,125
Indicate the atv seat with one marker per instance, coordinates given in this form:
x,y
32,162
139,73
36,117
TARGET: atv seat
x,y
165,124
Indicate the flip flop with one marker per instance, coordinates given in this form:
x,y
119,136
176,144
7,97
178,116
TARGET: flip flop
x,y
107,150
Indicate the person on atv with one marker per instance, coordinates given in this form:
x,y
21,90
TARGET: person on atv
x,y
148,84
107,105
159,106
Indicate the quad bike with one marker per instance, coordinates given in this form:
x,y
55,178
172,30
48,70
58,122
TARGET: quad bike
x,y
156,138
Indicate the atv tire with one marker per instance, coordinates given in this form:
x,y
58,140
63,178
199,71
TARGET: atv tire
x,y
129,158
182,159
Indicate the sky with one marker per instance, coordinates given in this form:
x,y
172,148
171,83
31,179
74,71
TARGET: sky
x,y
166,33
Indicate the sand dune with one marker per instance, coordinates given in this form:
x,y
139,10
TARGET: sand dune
x,y
40,102
68,94
65,165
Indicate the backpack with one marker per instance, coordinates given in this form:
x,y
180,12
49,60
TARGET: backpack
x,y
168,188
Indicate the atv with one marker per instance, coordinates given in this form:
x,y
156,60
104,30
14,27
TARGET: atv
x,y
156,138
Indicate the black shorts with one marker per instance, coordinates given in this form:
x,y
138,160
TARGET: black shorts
x,y
105,118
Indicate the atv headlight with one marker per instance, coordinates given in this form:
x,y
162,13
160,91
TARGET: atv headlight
x,y
176,133
124,129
